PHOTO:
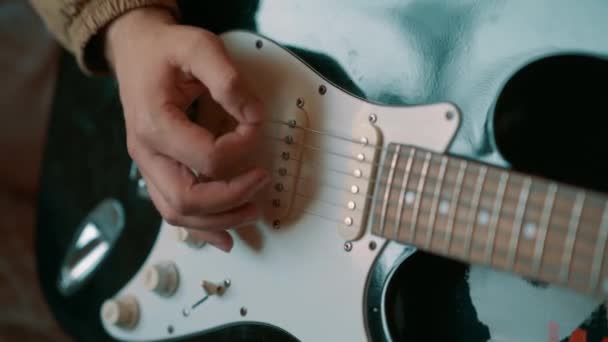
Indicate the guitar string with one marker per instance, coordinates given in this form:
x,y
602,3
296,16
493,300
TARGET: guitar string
x,y
464,204
378,165
575,274
561,230
556,227
465,186
491,180
380,148
325,133
446,184
350,140
530,206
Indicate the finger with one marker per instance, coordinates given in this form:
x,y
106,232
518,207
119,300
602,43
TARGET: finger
x,y
207,59
187,197
222,240
192,145
218,238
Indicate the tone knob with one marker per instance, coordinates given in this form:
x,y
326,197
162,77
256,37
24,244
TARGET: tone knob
x,y
122,312
186,237
162,278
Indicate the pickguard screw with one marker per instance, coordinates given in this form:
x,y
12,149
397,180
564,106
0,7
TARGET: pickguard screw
x,y
449,115
259,44
372,245
292,123
276,224
279,187
285,155
300,102
348,246
170,329
322,90
289,140
243,311
372,118
227,282
276,203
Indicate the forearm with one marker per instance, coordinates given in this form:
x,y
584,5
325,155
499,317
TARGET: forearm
x,y
79,25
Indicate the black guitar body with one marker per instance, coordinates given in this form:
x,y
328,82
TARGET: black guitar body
x,y
548,118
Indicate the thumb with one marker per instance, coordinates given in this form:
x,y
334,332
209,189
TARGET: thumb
x,y
208,61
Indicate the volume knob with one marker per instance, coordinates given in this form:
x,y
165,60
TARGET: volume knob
x,y
162,278
186,237
122,312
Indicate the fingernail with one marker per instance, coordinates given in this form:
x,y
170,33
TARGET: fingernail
x,y
223,247
253,111
262,182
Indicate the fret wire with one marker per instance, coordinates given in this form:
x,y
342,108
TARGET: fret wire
x,y
504,178
561,233
531,206
387,192
382,149
419,193
598,258
543,226
466,204
555,227
436,196
502,250
404,183
578,270
570,238
455,198
518,222
473,211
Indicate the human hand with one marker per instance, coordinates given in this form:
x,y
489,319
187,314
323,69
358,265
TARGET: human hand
x,y
162,67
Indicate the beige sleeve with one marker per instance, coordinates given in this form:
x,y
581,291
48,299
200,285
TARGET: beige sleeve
x,y
78,25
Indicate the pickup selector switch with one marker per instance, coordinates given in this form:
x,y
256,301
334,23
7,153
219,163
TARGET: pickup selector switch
x,y
162,278
122,312
185,236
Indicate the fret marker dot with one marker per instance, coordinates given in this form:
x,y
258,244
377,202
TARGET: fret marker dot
x,y
444,207
354,189
364,141
484,217
358,173
360,157
351,205
409,197
529,230
348,221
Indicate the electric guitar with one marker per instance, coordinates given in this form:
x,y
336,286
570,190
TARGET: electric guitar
x,y
357,189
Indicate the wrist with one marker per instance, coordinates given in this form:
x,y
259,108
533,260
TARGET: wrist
x,y
122,31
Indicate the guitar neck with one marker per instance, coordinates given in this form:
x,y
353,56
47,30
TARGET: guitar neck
x,y
486,215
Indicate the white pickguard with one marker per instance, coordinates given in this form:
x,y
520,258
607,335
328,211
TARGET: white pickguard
x,y
300,279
